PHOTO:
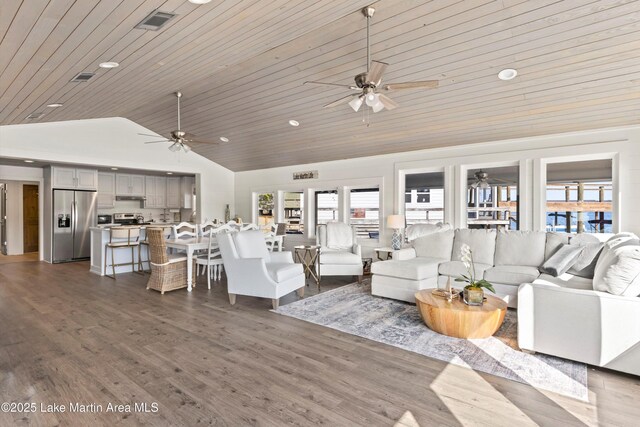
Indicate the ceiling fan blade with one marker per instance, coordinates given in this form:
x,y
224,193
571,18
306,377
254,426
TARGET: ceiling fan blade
x,y
376,70
148,134
155,142
332,84
426,84
340,101
388,103
191,141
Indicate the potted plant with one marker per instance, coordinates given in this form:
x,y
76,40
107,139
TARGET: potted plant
x,y
473,293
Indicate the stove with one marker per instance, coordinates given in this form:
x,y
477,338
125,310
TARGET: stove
x,y
129,219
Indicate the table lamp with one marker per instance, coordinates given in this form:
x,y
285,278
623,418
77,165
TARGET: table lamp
x,y
396,222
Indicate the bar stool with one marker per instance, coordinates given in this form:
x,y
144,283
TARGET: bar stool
x,y
122,237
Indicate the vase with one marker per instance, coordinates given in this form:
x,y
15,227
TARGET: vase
x,y
227,214
473,296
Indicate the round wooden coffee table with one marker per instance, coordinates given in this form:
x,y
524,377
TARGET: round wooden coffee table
x,y
457,319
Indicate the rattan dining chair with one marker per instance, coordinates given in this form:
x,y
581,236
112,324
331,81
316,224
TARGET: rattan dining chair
x,y
166,231
168,272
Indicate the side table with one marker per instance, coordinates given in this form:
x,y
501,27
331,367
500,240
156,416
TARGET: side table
x,y
384,254
309,257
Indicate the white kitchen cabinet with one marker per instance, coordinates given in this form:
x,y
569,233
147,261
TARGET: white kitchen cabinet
x,y
106,190
156,192
130,185
161,192
73,178
173,193
188,191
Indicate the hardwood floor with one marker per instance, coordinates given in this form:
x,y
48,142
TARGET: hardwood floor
x,y
70,336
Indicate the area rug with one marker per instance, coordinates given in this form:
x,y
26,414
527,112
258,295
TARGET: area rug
x,y
352,309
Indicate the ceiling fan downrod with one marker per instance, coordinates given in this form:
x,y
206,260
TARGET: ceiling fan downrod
x,y
368,12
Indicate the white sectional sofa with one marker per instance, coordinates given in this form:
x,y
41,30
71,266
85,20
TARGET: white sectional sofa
x,y
505,259
591,314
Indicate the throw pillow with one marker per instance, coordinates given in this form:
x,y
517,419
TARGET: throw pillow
x,y
585,265
607,255
418,230
622,277
436,245
554,242
561,260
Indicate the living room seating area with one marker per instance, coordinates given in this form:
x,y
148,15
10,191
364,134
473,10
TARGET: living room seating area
x,y
588,312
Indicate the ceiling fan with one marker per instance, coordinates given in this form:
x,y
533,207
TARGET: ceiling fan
x,y
369,84
178,137
482,180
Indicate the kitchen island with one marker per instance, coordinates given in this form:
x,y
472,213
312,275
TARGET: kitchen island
x,y
100,236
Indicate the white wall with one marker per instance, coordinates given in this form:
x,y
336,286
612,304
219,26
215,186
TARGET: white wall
x,y
115,142
531,154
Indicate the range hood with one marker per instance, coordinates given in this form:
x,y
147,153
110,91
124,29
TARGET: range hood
x,y
141,198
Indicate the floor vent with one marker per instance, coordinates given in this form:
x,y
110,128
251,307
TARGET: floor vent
x,y
82,77
155,20
34,116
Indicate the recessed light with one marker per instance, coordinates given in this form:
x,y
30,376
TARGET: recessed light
x,y
54,105
109,64
114,169
169,173
294,123
28,161
199,1
507,74
224,139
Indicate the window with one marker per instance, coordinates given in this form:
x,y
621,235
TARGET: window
x,y
364,212
326,206
424,197
579,197
294,212
265,208
492,198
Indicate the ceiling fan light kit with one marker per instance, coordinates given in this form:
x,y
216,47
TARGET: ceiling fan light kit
x,y
369,84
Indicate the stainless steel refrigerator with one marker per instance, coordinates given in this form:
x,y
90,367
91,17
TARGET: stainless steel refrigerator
x,y
74,212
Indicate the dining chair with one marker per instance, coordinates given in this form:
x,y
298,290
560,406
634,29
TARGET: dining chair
x,y
166,232
212,260
168,271
203,229
184,230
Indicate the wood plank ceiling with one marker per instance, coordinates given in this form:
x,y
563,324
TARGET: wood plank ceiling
x,y
241,65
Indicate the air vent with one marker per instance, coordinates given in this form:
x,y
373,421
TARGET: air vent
x,y
82,77
155,20
34,116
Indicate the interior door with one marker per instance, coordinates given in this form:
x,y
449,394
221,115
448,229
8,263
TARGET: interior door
x,y
3,218
30,218
85,217
62,219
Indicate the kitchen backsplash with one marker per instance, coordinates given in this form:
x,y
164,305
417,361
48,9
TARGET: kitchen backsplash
x,y
133,206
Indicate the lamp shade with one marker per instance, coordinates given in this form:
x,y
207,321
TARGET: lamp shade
x,y
395,222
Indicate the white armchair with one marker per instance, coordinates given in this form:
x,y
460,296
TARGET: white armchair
x,y
340,254
253,270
